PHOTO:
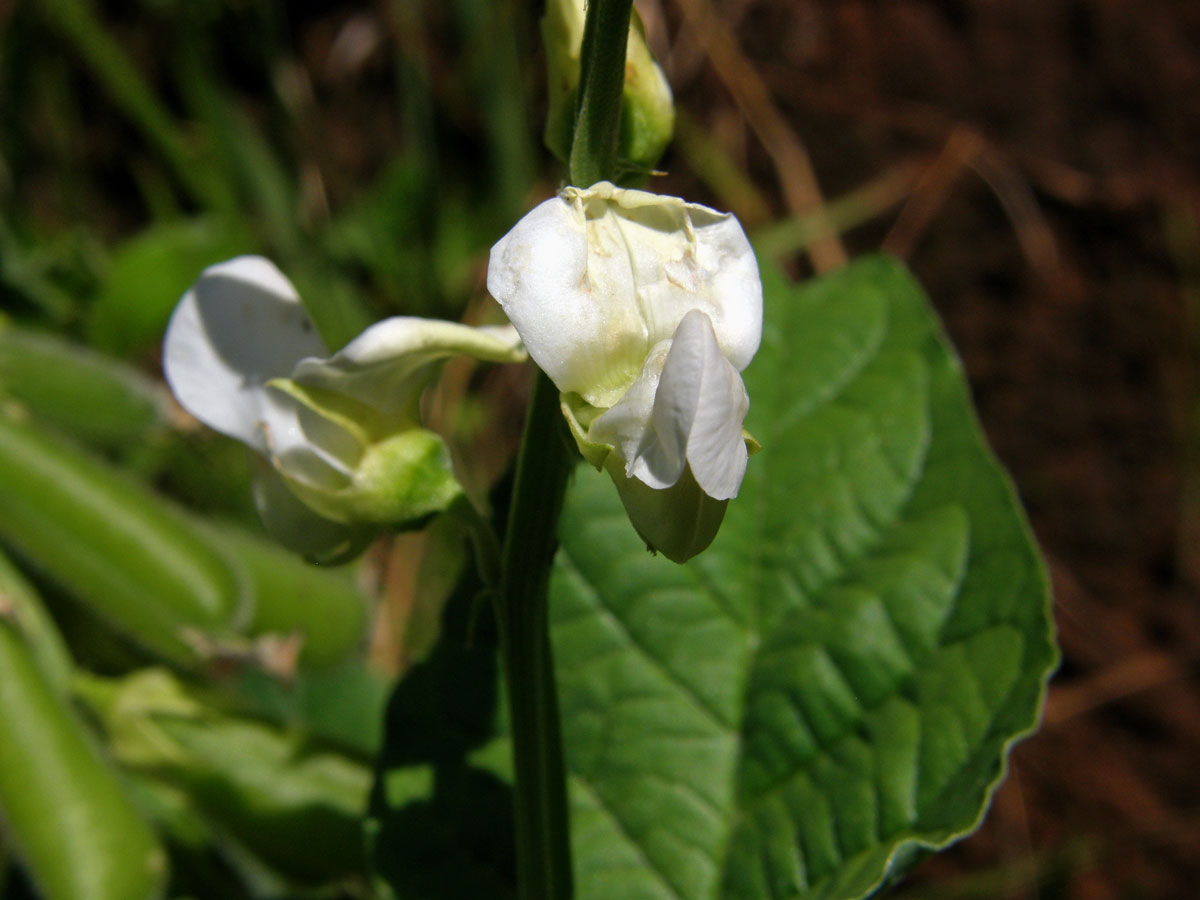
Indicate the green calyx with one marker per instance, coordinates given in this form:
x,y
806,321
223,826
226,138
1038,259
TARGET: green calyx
x,y
678,522
398,482
390,472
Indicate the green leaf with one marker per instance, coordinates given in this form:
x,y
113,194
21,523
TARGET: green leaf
x,y
342,706
836,682
298,806
147,276
441,816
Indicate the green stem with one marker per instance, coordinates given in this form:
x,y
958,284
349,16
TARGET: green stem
x,y
543,848
543,466
601,86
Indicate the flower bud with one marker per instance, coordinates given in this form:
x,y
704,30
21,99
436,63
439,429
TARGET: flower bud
x,y
647,107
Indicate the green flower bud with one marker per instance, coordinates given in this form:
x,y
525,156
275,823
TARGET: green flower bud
x,y
647,109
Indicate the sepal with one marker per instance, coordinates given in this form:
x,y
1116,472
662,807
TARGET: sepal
x,y
398,482
678,522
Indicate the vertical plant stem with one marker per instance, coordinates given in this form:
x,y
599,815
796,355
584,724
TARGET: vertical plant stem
x,y
543,466
543,848
601,84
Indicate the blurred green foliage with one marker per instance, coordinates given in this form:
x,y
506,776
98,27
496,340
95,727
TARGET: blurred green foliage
x,y
375,152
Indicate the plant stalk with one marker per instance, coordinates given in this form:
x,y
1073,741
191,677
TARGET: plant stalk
x,y
601,87
544,464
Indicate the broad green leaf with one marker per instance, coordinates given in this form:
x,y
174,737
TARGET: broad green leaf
x,y
836,682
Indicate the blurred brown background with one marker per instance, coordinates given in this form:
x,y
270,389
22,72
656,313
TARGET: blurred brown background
x,y
1037,162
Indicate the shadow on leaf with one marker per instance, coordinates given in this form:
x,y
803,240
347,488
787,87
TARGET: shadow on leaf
x,y
441,827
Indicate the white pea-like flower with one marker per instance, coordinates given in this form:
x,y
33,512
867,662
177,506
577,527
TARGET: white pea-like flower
x,y
643,310
342,431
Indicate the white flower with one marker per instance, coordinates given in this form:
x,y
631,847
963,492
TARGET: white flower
x,y
242,356
643,310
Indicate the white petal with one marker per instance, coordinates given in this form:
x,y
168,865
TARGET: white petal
x,y
686,408
297,526
627,425
735,281
564,279
385,366
305,465
279,429
699,408
686,256
716,449
597,276
240,325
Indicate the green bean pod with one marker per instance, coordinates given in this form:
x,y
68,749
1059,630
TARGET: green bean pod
x,y
95,398
322,607
22,607
73,826
123,551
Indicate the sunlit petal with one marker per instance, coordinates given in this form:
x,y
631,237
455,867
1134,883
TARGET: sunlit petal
x,y
596,277
563,277
686,256
643,309
240,325
716,449
628,426
386,366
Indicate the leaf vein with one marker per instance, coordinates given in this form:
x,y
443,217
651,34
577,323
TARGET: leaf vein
x,y
651,865
623,631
